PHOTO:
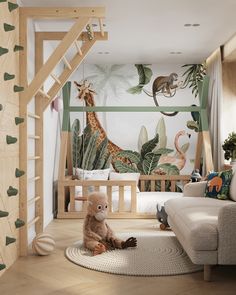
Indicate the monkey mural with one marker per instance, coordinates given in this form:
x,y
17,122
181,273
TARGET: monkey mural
x,y
164,84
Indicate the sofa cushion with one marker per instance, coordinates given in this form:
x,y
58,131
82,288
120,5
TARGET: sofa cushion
x,y
218,184
232,192
197,220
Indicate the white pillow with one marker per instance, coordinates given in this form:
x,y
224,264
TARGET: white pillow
x,y
91,175
124,176
102,174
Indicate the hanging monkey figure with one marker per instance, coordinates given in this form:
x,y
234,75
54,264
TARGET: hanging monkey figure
x,y
164,84
98,236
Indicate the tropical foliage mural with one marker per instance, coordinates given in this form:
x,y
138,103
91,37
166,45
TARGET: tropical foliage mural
x,y
149,143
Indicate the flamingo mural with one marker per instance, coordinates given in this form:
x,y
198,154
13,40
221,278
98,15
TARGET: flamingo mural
x,y
179,159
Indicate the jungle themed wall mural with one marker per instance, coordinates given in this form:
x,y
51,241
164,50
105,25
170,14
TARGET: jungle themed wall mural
x,y
145,142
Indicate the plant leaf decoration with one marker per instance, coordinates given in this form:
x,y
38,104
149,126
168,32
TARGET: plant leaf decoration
x,y
145,75
143,137
150,162
194,74
161,130
169,169
133,156
124,168
149,146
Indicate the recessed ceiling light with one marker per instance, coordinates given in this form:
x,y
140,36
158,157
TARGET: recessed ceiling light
x,y
192,25
103,52
175,52
106,52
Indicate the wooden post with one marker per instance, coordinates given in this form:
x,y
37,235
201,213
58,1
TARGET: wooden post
x,y
204,127
23,138
39,144
198,153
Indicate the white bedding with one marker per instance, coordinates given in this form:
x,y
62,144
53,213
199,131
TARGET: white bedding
x,y
146,201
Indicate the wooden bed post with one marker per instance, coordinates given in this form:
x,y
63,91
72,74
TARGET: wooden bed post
x,y
204,135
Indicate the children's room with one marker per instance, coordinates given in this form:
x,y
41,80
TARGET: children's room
x,y
117,147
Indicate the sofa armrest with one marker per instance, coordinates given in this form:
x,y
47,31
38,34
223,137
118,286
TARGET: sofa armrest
x,y
194,189
227,234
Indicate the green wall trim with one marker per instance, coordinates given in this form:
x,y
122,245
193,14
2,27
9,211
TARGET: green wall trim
x,y
135,109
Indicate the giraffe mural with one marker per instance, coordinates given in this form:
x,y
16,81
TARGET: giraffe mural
x,y
86,93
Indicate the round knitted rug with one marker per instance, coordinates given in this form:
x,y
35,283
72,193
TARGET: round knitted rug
x,y
155,255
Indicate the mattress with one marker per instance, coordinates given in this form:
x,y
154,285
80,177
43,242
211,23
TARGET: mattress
x,y
146,201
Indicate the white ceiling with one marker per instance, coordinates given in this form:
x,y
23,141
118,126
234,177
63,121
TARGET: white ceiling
x,y
146,31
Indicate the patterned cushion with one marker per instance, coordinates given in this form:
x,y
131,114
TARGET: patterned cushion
x,y
218,185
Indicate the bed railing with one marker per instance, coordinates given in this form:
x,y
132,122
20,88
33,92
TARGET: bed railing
x,y
163,183
66,194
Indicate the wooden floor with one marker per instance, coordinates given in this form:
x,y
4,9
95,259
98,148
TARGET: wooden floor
x,y
55,275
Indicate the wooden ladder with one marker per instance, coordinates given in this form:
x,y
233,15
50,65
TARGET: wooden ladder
x,y
43,98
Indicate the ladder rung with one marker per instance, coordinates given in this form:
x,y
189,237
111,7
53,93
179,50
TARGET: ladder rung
x,y
34,158
33,200
43,93
33,178
67,63
33,221
55,78
78,48
101,26
33,136
31,115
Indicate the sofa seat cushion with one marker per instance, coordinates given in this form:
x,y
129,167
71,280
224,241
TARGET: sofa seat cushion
x,y
196,219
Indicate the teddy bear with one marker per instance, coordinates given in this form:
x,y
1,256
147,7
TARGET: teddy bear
x,y
97,235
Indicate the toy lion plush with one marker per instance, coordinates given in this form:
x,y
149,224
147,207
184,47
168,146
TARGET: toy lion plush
x,y
98,236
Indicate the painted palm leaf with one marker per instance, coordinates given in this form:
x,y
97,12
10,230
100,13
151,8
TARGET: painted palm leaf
x,y
169,169
161,130
124,168
150,162
101,155
145,75
133,156
143,137
194,74
149,146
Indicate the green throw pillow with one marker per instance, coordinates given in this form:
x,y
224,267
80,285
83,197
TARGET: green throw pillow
x,y
218,184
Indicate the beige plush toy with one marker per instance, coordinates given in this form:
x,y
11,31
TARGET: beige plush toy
x,y
98,237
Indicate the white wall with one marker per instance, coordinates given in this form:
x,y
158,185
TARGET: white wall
x,y
51,144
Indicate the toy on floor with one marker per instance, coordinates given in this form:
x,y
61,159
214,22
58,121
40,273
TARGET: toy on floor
x,y
196,176
162,217
43,244
98,236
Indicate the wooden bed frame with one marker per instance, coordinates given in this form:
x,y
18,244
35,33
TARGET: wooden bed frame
x,y
66,193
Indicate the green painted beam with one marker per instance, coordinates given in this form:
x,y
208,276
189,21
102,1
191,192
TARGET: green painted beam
x,y
65,121
135,109
204,92
66,103
204,120
66,94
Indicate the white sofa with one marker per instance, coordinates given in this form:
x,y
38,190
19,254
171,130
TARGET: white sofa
x,y
205,227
